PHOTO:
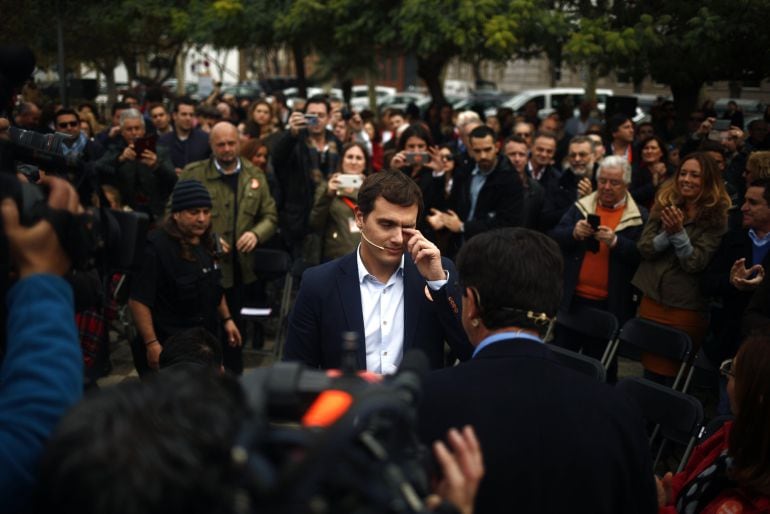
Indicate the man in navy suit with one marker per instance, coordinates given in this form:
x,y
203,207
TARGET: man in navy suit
x,y
395,291
553,440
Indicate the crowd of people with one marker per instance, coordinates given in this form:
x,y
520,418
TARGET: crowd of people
x,y
542,216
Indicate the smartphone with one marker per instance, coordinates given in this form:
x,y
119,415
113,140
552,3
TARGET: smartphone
x,y
593,220
349,181
417,157
145,143
311,120
721,125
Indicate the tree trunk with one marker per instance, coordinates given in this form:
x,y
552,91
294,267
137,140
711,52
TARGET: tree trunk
x,y
430,69
179,71
477,77
347,89
592,77
299,64
686,100
735,87
371,82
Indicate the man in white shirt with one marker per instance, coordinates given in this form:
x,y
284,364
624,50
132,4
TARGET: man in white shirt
x,y
395,291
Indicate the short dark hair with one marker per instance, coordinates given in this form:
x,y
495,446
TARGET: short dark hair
x,y
186,420
394,186
155,105
616,121
707,145
514,271
66,110
546,134
318,99
194,345
119,106
183,100
481,132
765,183
515,139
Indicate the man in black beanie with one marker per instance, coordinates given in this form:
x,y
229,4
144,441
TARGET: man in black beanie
x,y
179,286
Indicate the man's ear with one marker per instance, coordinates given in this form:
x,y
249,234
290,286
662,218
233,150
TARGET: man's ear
x,y
471,308
359,218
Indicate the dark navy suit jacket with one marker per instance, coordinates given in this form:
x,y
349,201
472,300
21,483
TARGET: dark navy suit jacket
x,y
554,441
329,303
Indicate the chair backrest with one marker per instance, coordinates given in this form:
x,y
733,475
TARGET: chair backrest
x,y
678,415
268,261
589,321
579,362
641,335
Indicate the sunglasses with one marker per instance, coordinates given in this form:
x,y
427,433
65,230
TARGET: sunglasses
x,y
447,157
726,368
69,124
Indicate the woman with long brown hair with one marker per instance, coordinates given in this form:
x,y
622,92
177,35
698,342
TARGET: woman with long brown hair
x,y
259,123
686,225
333,214
730,471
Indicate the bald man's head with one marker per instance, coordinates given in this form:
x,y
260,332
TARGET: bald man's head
x,y
225,144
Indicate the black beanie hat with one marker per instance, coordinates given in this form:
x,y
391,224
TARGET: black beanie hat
x,y
189,194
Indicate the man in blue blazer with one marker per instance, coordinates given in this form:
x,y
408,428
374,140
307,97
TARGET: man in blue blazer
x,y
395,291
553,440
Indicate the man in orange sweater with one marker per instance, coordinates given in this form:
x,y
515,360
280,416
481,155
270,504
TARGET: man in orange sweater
x,y
598,237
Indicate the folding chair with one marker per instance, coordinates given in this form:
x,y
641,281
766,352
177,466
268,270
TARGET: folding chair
x,y
272,265
579,362
702,372
594,323
677,416
640,335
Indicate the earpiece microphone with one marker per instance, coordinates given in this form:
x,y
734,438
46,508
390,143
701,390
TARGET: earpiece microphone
x,y
363,234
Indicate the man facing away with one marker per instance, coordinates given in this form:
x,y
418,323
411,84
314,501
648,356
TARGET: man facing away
x,y
554,440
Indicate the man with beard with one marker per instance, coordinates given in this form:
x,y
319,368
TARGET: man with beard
x,y
488,195
581,163
179,284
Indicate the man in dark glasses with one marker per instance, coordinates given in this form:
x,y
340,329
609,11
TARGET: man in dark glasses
x,y
67,121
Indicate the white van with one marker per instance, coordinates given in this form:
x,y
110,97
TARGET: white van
x,y
552,99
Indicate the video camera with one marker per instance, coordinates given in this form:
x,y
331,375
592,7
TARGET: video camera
x,y
112,240
320,442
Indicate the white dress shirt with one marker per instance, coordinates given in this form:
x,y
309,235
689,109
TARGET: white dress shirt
x,y
382,306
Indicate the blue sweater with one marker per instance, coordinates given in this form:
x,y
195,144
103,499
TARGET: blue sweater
x,y
41,377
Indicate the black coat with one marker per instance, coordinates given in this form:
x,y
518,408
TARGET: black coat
x,y
715,282
560,194
553,441
499,204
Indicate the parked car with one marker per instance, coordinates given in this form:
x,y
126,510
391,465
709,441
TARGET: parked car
x,y
243,90
554,99
359,99
402,100
292,92
748,106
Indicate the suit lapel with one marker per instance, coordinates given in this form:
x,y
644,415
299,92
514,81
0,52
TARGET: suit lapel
x,y
350,297
413,286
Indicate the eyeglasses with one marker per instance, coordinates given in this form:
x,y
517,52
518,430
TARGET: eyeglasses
x,y
66,124
582,155
726,368
447,157
523,134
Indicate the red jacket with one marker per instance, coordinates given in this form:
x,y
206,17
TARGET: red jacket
x,y
729,501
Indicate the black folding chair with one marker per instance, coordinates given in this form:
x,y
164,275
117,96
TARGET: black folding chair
x,y
702,372
593,323
677,416
272,265
640,335
579,362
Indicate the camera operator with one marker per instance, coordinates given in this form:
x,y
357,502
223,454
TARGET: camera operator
x,y
145,178
186,464
179,286
41,374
